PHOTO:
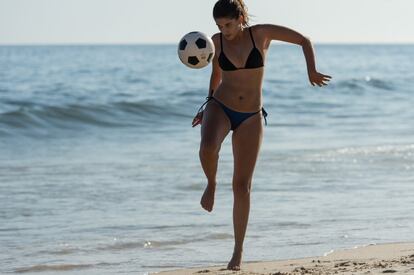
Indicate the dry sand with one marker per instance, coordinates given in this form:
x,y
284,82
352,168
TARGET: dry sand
x,y
395,258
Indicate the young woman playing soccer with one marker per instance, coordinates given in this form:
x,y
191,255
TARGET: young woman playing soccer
x,y
235,103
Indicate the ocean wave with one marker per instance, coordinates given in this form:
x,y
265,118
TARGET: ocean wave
x,y
72,116
400,153
397,149
363,83
59,267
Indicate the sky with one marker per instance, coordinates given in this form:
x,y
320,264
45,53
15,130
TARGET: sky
x,y
166,21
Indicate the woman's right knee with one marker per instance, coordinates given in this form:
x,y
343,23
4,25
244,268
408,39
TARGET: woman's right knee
x,y
209,149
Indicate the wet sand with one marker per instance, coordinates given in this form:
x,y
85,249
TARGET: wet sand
x,y
395,258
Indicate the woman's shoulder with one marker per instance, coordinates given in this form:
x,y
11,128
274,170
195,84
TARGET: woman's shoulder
x,y
216,36
258,27
258,30
263,31
216,39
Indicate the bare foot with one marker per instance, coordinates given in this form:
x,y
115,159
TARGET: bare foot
x,y
235,261
207,200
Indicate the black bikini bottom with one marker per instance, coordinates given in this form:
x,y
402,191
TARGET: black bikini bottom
x,y
236,118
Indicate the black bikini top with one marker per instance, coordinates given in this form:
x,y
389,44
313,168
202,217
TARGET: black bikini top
x,y
255,59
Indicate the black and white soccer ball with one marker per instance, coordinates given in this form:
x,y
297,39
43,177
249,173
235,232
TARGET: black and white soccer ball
x,y
196,50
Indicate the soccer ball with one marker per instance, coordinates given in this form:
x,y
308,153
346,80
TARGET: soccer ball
x,y
196,50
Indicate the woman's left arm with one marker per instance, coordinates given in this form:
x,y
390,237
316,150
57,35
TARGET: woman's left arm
x,y
275,32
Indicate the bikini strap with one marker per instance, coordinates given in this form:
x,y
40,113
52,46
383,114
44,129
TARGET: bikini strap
x,y
264,115
221,42
251,36
208,99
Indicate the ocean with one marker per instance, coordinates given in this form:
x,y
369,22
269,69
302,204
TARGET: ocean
x,y
100,174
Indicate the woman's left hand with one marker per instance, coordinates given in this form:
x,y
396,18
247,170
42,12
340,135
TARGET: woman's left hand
x,y
198,119
318,78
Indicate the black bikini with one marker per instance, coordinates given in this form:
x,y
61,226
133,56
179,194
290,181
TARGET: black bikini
x,y
236,118
254,60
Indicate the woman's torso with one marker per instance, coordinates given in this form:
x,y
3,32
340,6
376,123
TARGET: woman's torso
x,y
241,89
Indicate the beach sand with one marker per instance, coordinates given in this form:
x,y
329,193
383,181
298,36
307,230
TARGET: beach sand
x,y
396,258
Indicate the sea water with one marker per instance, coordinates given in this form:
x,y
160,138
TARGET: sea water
x,y
100,173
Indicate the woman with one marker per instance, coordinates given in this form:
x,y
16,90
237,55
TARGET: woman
x,y
234,103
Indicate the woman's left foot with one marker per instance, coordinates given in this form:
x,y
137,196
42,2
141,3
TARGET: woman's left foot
x,y
207,200
235,261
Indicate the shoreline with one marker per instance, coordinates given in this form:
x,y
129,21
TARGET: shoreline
x,y
397,258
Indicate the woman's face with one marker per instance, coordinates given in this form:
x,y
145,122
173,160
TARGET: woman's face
x,y
229,27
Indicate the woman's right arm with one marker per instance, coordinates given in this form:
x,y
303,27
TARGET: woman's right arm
x,y
215,78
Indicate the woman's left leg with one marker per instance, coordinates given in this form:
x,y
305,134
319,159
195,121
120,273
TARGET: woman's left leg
x,y
246,140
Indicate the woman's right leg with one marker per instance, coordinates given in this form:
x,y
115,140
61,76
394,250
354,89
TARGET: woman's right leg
x,y
214,128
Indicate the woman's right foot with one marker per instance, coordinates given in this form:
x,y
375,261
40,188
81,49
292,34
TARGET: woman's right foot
x,y
207,200
235,261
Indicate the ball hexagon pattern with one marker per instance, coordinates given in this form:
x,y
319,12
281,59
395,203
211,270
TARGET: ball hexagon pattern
x,y
196,50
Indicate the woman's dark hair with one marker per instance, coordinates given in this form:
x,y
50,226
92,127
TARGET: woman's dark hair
x,y
232,9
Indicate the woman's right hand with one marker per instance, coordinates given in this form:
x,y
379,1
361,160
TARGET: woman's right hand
x,y
198,119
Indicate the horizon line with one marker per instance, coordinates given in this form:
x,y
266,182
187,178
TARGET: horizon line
x,y
171,43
